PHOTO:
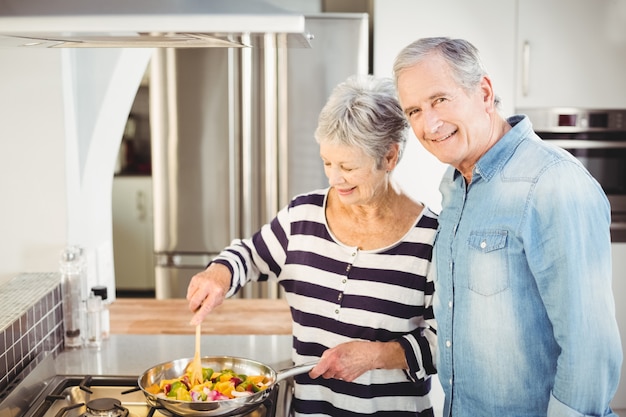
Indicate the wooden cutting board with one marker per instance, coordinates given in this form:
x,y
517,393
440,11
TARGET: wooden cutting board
x,y
234,316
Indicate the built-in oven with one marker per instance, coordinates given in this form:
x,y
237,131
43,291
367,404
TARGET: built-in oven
x,y
598,139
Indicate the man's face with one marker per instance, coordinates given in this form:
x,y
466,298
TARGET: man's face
x,y
451,123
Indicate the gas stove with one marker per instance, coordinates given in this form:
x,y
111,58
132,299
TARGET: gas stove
x,y
109,396
41,393
117,366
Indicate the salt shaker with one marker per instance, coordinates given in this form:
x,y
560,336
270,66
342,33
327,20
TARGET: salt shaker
x,y
94,320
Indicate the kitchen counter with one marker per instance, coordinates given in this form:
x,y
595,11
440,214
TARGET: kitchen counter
x,y
133,354
233,317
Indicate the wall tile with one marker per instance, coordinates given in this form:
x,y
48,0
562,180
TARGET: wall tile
x,y
31,322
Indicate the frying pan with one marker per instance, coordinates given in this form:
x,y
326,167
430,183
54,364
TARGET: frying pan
x,y
235,406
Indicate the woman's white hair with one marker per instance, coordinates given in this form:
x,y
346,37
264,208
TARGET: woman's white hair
x,y
364,112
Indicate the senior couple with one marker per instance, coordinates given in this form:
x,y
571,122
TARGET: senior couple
x,y
516,268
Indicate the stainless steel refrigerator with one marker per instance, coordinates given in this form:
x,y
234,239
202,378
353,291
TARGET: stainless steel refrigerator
x,y
232,138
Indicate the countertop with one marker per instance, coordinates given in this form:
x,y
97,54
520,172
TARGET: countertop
x,y
133,354
233,317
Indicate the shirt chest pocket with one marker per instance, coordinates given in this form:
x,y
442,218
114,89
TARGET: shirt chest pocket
x,y
488,262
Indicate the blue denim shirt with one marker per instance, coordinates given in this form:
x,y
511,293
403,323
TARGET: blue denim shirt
x,y
523,300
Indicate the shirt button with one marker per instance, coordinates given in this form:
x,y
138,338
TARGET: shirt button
x,y
343,281
448,343
483,244
337,311
450,304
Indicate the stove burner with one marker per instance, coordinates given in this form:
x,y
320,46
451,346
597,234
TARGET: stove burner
x,y
113,396
106,407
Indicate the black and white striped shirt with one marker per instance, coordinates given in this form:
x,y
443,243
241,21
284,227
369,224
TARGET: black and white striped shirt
x,y
339,293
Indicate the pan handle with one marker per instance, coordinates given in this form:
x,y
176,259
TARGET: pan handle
x,y
295,370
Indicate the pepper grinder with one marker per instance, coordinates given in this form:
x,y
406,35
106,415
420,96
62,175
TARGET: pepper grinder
x,y
72,270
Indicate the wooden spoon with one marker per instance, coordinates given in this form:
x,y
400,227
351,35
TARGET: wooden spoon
x,y
196,365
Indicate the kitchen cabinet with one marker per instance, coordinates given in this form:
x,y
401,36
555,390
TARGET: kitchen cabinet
x,y
539,53
133,233
571,53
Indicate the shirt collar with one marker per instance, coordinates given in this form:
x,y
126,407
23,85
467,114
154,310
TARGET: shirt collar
x,y
499,153
495,158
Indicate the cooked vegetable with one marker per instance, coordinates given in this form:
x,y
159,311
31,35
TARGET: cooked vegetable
x,y
222,385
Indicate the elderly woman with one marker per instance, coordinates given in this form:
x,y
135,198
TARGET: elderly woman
x,y
353,260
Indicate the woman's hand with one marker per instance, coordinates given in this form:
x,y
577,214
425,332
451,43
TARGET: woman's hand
x,y
350,360
207,290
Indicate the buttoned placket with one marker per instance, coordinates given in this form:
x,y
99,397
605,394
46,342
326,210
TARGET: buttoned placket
x,y
450,315
344,281
448,340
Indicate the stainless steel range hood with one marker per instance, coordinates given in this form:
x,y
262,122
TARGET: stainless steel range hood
x,y
145,23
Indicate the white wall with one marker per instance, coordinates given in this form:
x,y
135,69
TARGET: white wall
x,y
62,115
33,226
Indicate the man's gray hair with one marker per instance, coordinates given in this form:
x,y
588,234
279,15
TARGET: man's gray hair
x,y
461,55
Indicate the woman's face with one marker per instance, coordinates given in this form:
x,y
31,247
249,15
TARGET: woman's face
x,y
353,174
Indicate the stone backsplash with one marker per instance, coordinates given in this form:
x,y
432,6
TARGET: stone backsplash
x,y
31,322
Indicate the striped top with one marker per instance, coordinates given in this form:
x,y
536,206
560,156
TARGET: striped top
x,y
338,294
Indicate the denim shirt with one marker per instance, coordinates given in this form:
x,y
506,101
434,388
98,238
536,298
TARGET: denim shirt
x,y
523,300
